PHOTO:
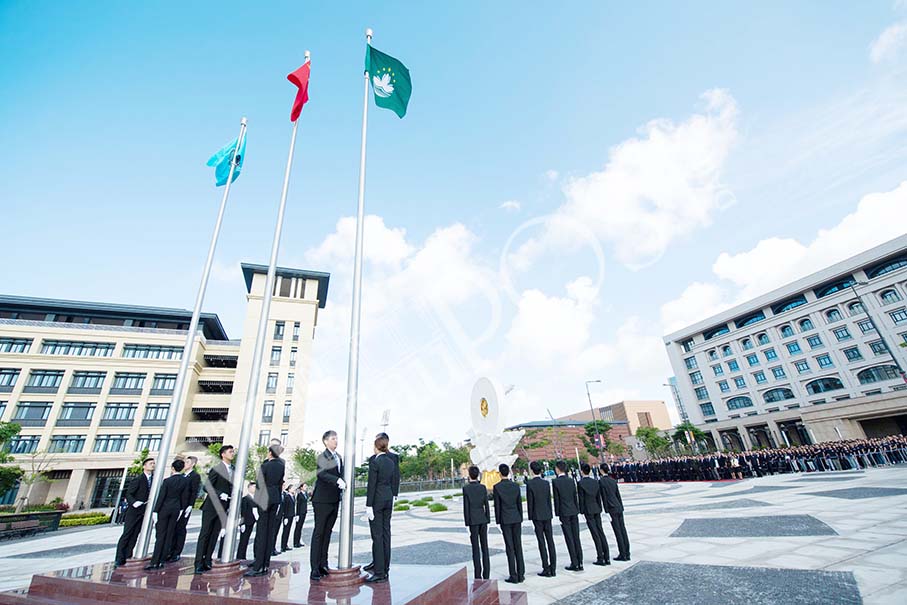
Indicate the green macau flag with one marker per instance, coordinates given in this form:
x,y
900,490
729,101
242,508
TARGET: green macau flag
x,y
390,81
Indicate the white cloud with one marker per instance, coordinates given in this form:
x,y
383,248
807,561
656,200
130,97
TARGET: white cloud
x,y
510,206
381,245
551,175
655,188
889,43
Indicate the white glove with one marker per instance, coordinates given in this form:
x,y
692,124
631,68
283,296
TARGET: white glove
x,y
154,517
296,519
285,521
341,484
188,511
255,513
242,528
222,533
224,497
137,504
370,512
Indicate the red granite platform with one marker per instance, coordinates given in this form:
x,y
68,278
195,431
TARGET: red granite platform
x,y
287,584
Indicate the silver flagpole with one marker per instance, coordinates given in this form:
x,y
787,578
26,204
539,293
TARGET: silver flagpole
x,y
245,435
352,381
176,403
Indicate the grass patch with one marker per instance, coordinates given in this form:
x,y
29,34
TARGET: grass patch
x,y
426,498
448,497
402,502
437,507
401,507
420,503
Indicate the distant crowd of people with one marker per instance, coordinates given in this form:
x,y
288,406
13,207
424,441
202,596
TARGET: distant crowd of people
x,y
851,454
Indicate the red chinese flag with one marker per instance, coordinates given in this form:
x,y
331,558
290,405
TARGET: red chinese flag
x,y
300,78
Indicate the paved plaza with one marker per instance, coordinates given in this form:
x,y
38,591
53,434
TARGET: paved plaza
x,y
816,538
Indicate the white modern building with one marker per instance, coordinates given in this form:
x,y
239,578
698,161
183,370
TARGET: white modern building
x,y
754,375
91,384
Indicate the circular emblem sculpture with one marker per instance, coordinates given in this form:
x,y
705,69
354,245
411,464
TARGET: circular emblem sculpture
x,y
492,445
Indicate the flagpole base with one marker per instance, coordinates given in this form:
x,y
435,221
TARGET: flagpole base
x,y
344,577
224,572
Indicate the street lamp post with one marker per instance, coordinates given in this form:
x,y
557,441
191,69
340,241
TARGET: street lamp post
x,y
598,437
875,327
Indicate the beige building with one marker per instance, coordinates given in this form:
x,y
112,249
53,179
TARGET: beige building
x,y
91,383
649,413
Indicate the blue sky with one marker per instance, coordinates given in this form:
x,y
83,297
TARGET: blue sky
x,y
701,146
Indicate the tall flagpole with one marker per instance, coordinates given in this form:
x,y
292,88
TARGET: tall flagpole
x,y
245,435
352,381
176,403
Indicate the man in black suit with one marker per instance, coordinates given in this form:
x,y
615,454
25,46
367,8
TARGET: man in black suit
x,y
270,478
302,509
477,516
566,507
170,504
136,494
379,504
192,485
538,505
326,502
218,487
614,506
508,513
590,505
289,513
395,486
249,512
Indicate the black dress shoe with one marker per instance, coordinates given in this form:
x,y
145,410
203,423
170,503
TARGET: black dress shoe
x,y
199,570
152,567
368,567
286,548
323,571
572,568
174,559
256,572
512,581
544,574
315,576
621,558
602,563
297,546
376,578
579,568
520,580
274,553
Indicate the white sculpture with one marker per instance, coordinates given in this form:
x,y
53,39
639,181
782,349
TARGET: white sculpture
x,y
493,445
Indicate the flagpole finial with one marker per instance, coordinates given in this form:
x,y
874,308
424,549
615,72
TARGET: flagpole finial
x,y
369,33
243,121
308,56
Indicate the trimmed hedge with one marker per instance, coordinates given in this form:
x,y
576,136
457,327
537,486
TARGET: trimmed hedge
x,y
399,502
420,503
401,507
82,519
448,497
437,507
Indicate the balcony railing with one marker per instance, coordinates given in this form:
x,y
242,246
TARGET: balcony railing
x,y
30,421
118,391
117,422
74,422
44,390
83,390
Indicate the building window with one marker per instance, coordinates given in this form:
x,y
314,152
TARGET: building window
x,y
866,326
733,366
287,408
806,325
24,444
824,361
696,377
815,342
108,444
267,413
802,366
30,411
878,347
87,380
718,370
275,355
787,305
66,444
284,435
770,355
824,384
713,355
737,403
726,351
8,377
120,411
889,297
833,315
899,316
877,374
719,331
157,411
45,379
690,362
833,287
15,345
779,373
855,308
279,330
293,352
74,411
762,339
739,382
2,408
291,381
152,352
759,376
786,331
903,336
295,330
150,442
722,384
842,334
163,383
853,354
793,347
701,393
128,381
776,395
752,360
76,348
747,344
264,438
271,386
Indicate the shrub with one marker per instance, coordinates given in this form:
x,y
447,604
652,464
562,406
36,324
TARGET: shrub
x,y
448,497
437,507
401,508
427,498
360,491
420,503
402,502
83,519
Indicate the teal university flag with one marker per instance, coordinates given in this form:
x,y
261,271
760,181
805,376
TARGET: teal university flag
x,y
221,162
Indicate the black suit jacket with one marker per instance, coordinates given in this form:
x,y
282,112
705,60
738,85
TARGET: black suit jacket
x,y
138,490
269,483
302,503
396,481
475,504
538,500
508,502
381,473
192,485
565,502
245,508
611,495
217,482
173,494
590,496
288,506
328,473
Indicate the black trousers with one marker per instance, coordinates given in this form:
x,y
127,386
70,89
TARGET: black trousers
x,y
285,536
594,522
478,537
264,531
570,525
131,528
380,528
325,516
243,548
275,530
207,537
620,535
545,536
297,532
513,546
163,536
179,536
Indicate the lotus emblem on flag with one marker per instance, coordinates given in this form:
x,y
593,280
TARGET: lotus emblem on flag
x,y
383,86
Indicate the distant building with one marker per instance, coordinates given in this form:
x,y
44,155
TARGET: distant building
x,y
648,413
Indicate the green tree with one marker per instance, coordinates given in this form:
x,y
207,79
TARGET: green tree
x,y
37,470
305,463
136,467
257,455
653,441
680,434
616,448
9,473
590,430
532,440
